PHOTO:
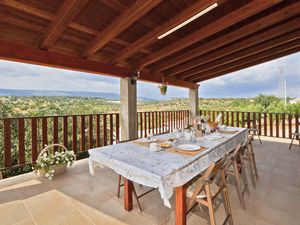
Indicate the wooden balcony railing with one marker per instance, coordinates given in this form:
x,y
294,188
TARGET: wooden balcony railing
x,y
280,125
23,138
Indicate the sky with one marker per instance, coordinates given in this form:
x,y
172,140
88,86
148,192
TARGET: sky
x,y
250,82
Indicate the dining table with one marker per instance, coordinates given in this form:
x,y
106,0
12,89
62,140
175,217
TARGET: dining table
x,y
166,169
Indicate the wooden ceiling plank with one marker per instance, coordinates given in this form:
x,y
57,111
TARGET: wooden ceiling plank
x,y
251,58
151,37
65,16
234,17
250,64
48,16
208,61
131,15
242,54
260,24
28,9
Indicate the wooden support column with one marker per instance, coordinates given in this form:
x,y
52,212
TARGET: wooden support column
x,y
194,101
128,109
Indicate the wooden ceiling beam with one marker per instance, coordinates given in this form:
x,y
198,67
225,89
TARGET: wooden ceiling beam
x,y
235,47
20,53
257,25
27,9
151,37
239,49
65,16
131,15
251,58
234,17
250,64
36,56
48,16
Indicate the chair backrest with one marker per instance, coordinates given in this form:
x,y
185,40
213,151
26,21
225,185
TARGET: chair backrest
x,y
212,174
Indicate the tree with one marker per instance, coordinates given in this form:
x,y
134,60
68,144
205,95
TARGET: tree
x,y
266,100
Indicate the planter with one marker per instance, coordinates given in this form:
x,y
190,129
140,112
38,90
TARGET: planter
x,y
50,164
58,169
163,89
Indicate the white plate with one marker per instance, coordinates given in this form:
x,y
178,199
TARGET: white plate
x,y
188,147
155,150
147,141
213,137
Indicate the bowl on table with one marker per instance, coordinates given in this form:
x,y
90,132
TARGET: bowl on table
x,y
213,126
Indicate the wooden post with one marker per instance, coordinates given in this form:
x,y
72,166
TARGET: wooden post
x,y
128,187
194,101
181,205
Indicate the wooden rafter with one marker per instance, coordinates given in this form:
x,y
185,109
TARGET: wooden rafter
x,y
254,63
152,36
132,14
48,16
257,25
251,58
65,16
242,54
198,64
234,17
20,53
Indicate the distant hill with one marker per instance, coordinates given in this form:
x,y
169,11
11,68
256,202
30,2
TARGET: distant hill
x,y
48,93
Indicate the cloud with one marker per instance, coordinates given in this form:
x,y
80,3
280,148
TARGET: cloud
x,y
263,78
25,76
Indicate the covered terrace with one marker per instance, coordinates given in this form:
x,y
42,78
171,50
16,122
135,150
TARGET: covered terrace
x,y
178,42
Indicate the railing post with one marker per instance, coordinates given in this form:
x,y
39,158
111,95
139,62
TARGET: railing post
x,y
283,125
74,133
7,142
21,141
82,142
65,131
34,148
290,126
265,124
271,125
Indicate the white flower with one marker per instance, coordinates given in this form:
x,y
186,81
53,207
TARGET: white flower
x,y
52,171
47,174
50,178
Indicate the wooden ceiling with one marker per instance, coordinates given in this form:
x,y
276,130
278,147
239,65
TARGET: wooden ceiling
x,y
118,37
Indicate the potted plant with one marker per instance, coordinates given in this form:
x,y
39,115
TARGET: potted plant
x,y
163,88
49,164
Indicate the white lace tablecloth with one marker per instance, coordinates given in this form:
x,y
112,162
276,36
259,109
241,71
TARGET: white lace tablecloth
x,y
162,170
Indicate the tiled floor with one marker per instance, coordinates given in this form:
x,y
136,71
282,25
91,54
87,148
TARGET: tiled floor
x,y
78,198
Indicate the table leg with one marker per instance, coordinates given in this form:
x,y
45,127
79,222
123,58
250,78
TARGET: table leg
x,y
128,187
181,205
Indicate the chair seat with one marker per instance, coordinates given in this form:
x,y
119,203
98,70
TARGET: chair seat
x,y
296,134
213,190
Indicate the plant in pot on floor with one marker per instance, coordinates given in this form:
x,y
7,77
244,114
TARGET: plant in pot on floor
x,y
49,163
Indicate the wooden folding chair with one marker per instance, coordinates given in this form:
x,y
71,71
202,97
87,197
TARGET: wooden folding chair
x,y
200,192
236,170
294,135
248,155
253,130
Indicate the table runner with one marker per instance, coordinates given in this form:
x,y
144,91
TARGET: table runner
x,y
161,169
